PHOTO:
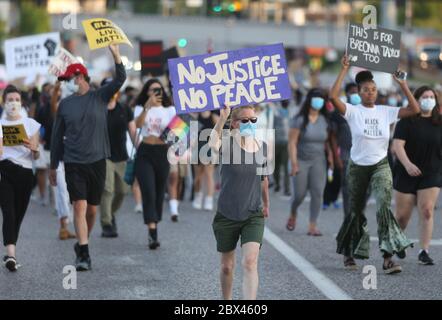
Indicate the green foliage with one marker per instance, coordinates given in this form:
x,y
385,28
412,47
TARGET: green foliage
x,y
427,14
2,39
151,6
33,19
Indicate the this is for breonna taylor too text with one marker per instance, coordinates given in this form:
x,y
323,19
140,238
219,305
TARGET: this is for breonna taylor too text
x,y
360,40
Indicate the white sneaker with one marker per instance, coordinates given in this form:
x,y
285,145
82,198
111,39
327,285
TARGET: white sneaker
x,y
197,201
208,203
138,208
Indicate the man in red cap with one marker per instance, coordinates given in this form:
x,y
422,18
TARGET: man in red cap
x,y
80,139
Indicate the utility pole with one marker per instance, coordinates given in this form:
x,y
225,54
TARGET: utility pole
x,y
388,14
409,15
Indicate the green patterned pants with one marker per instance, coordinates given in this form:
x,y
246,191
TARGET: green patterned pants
x,y
353,238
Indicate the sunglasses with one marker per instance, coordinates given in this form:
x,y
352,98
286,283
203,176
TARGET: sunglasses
x,y
245,120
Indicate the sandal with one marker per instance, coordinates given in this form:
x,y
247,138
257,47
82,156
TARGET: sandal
x,y
315,233
350,263
391,267
291,223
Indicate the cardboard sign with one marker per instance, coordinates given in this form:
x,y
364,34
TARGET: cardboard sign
x,y
101,33
151,58
374,49
235,78
61,61
31,55
14,135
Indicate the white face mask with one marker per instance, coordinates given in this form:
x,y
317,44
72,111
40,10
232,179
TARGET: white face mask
x,y
13,108
71,86
427,104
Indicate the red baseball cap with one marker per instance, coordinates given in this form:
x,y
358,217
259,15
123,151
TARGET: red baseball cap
x,y
73,69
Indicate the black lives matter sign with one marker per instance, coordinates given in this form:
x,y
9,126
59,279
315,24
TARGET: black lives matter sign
x,y
375,49
14,135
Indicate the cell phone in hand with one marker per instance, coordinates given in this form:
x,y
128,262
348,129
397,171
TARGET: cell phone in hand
x,y
401,75
157,91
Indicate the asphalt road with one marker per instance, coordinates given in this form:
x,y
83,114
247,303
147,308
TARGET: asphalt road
x,y
292,265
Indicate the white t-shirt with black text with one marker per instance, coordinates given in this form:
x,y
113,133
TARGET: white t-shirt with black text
x,y
370,131
20,155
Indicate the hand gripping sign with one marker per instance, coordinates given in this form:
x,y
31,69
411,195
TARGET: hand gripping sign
x,y
234,78
101,33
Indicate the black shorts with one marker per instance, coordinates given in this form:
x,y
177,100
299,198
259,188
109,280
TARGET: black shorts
x,y
404,183
86,181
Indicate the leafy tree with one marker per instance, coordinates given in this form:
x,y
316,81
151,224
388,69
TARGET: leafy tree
x,y
2,39
34,19
151,6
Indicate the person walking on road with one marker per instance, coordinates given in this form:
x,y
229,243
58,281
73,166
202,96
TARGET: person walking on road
x,y
281,119
16,176
370,129
243,202
417,173
151,163
80,138
60,191
204,170
309,152
119,121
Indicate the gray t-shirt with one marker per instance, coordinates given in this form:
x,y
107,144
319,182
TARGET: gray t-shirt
x,y
240,194
281,124
80,132
311,144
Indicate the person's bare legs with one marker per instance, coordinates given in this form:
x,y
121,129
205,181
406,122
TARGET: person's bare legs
x,y
137,192
426,200
226,274
41,183
199,171
64,223
91,214
250,254
208,173
173,185
80,221
10,250
405,203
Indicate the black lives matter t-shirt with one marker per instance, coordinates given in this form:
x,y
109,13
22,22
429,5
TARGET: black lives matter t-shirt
x,y
117,125
423,144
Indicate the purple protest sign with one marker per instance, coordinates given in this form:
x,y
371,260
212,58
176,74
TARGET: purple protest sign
x,y
236,78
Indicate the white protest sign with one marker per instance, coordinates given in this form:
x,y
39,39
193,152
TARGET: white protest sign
x,y
60,62
30,55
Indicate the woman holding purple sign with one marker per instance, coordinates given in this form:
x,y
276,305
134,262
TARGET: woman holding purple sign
x,y
368,166
243,202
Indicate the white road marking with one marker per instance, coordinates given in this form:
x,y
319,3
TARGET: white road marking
x,y
436,242
324,284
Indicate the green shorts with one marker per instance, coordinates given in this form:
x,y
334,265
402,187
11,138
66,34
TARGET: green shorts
x,y
227,232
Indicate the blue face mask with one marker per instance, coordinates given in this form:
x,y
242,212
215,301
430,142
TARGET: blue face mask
x,y
355,99
247,129
427,104
317,103
392,101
